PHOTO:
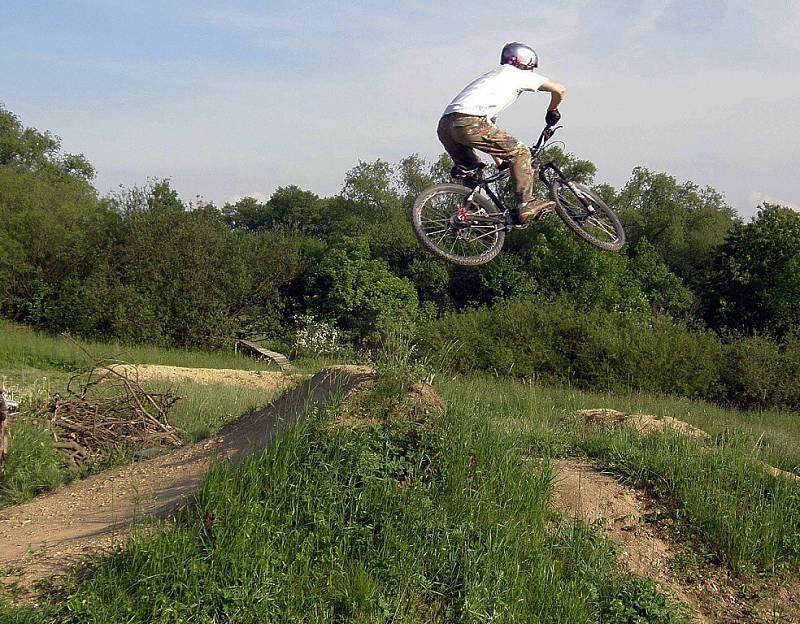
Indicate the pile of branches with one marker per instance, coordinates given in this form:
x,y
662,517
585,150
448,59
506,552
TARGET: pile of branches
x,y
109,410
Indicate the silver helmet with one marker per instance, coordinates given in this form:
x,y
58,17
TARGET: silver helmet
x,y
519,55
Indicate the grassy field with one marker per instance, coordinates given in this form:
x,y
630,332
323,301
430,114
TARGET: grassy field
x,y
773,435
34,366
31,359
395,519
718,491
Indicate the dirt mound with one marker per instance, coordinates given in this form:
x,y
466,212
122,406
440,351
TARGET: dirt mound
x,y
646,424
43,537
582,492
418,405
422,396
712,593
257,380
642,423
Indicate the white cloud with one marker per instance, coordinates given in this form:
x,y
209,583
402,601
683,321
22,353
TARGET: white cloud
x,y
779,25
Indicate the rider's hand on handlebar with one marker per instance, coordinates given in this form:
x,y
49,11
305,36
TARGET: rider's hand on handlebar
x,y
552,117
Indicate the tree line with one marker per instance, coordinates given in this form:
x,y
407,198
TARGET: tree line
x,y
331,273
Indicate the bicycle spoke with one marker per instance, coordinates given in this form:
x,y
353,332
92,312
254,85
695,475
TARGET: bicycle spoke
x,y
441,238
588,216
476,234
483,235
602,226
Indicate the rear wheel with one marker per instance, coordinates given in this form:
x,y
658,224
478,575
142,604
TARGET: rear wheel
x,y
441,220
587,215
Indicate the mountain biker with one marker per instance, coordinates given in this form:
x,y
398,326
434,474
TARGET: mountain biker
x,y
469,122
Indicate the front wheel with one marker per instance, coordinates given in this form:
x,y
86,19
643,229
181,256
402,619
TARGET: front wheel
x,y
441,220
587,215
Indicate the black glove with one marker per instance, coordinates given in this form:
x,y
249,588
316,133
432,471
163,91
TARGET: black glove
x,y
552,117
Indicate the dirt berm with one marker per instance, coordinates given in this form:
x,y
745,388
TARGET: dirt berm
x,y
42,538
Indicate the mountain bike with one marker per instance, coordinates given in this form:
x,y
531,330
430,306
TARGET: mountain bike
x,y
466,224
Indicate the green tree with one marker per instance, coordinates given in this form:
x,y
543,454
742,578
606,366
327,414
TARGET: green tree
x,y
53,228
560,263
248,214
359,293
683,222
753,284
30,150
275,262
664,290
489,284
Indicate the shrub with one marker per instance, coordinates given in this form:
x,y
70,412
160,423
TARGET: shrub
x,y
759,372
316,337
592,348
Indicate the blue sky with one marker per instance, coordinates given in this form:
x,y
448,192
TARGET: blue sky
x,y
237,98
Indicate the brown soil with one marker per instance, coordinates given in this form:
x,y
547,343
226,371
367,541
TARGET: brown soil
x,y
257,380
420,404
40,539
584,493
643,423
712,594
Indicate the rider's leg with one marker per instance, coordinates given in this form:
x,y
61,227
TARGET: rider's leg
x,y
485,136
479,133
463,155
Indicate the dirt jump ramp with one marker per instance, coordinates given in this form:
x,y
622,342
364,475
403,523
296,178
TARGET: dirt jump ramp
x,y
44,537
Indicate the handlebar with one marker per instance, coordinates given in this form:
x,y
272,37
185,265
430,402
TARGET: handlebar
x,y
545,136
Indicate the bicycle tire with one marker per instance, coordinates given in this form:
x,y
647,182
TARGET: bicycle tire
x,y
455,194
572,200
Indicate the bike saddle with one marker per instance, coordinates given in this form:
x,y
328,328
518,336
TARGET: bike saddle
x,y
467,173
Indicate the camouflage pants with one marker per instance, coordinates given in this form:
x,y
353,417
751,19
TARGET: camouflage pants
x,y
461,133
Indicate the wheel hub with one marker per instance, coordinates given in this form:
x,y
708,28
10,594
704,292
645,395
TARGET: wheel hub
x,y
459,220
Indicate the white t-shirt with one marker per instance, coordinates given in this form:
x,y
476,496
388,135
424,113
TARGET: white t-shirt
x,y
493,92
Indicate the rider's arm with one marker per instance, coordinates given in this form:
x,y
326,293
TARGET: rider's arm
x,y
556,92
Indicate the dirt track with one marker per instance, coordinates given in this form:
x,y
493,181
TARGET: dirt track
x,y
43,537
257,380
583,492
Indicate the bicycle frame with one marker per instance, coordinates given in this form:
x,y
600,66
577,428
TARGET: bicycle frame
x,y
540,169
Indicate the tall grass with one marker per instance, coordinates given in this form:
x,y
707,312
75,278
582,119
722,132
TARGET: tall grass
x,y
719,492
205,408
750,520
772,435
22,348
32,465
392,521
599,349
